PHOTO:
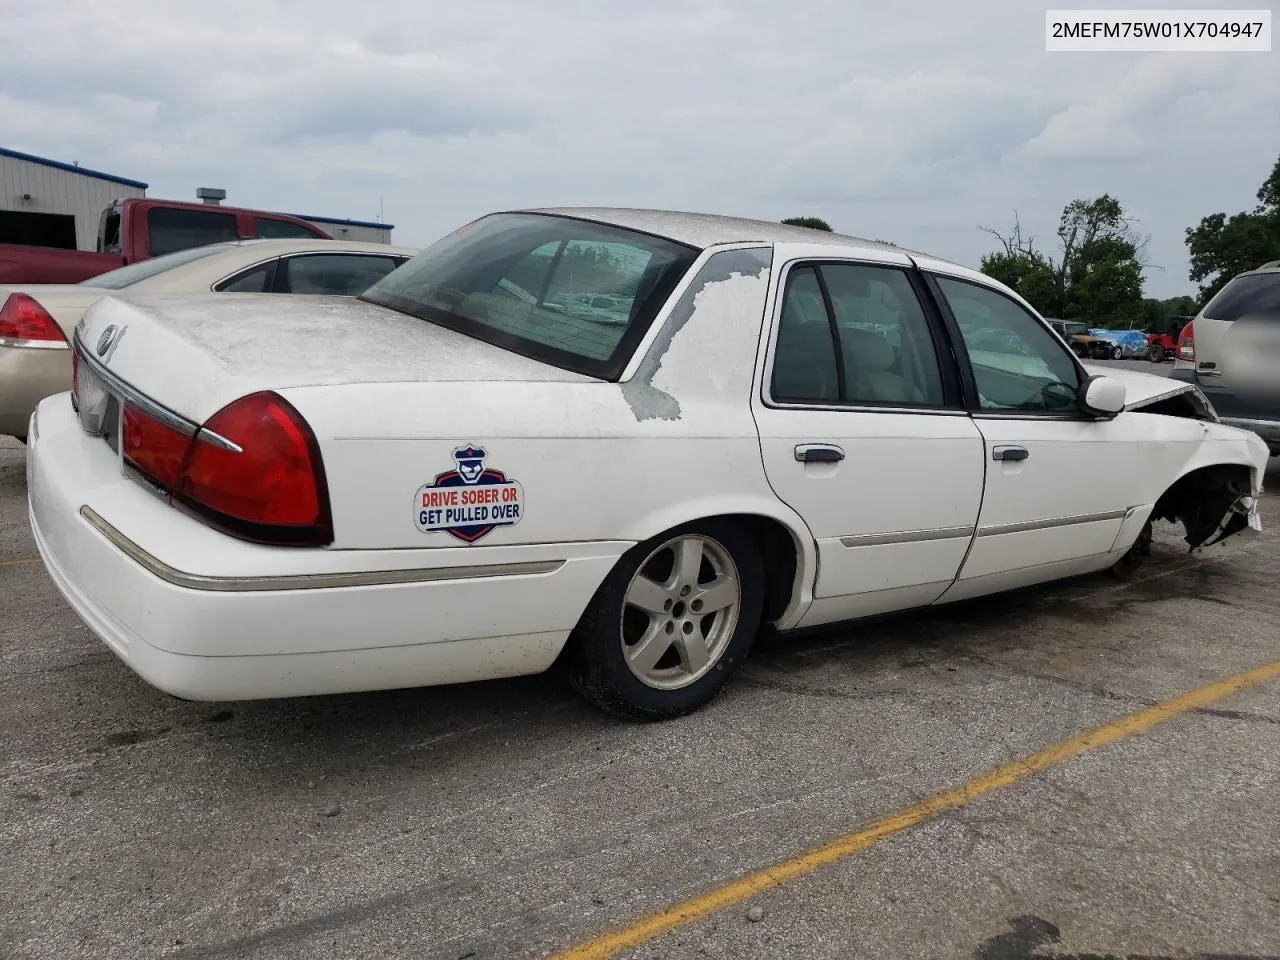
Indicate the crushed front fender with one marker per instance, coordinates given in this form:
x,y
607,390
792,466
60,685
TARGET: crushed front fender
x,y
1239,525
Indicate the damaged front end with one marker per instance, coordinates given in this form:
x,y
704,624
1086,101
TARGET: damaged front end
x,y
1216,508
1215,505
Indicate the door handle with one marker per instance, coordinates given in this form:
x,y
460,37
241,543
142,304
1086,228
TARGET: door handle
x,y
1009,453
818,453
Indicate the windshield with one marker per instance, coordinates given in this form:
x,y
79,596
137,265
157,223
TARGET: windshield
x,y
128,276
572,293
1256,296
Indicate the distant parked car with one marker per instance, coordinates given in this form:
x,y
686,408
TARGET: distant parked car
x,y
1125,344
37,320
138,228
1163,344
1082,343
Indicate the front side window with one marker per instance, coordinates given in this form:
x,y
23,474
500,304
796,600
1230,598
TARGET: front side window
x,y
336,274
1017,364
171,229
855,334
570,292
109,232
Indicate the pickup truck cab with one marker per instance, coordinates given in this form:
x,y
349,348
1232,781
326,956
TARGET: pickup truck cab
x,y
137,229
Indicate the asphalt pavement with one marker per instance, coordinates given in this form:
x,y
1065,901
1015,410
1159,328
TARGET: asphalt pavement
x,y
510,820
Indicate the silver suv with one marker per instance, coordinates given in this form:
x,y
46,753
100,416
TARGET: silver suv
x,y
1231,350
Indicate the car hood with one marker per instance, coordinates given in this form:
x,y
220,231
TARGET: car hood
x,y
1140,388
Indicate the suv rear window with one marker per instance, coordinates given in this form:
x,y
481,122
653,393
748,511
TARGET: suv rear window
x,y
1256,295
572,293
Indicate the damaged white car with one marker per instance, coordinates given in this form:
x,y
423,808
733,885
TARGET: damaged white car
x,y
456,478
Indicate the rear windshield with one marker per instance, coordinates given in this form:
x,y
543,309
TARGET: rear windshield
x,y
127,276
1256,296
572,293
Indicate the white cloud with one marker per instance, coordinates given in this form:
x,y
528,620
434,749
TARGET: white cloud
x,y
912,125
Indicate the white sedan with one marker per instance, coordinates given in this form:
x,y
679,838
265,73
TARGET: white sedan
x,y
36,320
450,481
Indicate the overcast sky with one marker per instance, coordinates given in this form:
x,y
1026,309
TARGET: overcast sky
x,y
911,122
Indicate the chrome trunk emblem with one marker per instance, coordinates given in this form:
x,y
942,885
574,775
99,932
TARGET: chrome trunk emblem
x,y
109,337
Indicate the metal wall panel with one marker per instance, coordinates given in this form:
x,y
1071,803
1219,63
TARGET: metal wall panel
x,y
60,191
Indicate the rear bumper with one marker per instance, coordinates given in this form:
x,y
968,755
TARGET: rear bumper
x,y
27,376
253,622
1237,411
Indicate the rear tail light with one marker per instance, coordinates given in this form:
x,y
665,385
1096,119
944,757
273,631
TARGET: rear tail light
x,y
253,470
1187,344
24,323
154,447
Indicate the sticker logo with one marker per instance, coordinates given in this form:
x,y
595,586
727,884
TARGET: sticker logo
x,y
470,502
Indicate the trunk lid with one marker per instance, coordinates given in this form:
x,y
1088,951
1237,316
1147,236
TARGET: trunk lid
x,y
195,354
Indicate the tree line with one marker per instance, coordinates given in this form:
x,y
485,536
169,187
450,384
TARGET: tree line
x,y
1093,269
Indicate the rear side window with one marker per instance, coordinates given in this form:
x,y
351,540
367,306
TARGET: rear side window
x,y
255,280
281,229
171,229
343,275
856,334
1256,296
573,293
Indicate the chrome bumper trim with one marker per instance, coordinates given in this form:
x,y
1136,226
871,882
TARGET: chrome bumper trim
x,y
309,581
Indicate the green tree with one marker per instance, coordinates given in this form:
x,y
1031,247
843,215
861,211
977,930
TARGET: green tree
x,y
1096,274
1222,246
813,223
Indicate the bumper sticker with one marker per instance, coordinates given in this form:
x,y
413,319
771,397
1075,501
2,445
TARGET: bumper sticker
x,y
470,501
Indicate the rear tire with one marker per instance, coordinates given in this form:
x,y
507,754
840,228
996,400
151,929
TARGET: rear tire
x,y
672,621
1156,353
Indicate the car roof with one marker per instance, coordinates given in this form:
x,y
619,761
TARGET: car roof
x,y
708,230
284,245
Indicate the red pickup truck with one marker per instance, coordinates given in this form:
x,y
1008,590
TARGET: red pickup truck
x,y
138,229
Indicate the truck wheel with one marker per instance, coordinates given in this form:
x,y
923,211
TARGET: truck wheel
x,y
670,623
1156,353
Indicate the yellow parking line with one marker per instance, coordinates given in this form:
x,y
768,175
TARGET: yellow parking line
x,y
752,884
21,562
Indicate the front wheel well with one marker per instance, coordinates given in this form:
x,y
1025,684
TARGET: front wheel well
x,y
1200,499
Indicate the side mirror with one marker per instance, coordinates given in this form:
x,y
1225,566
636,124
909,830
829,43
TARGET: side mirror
x,y
1102,396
